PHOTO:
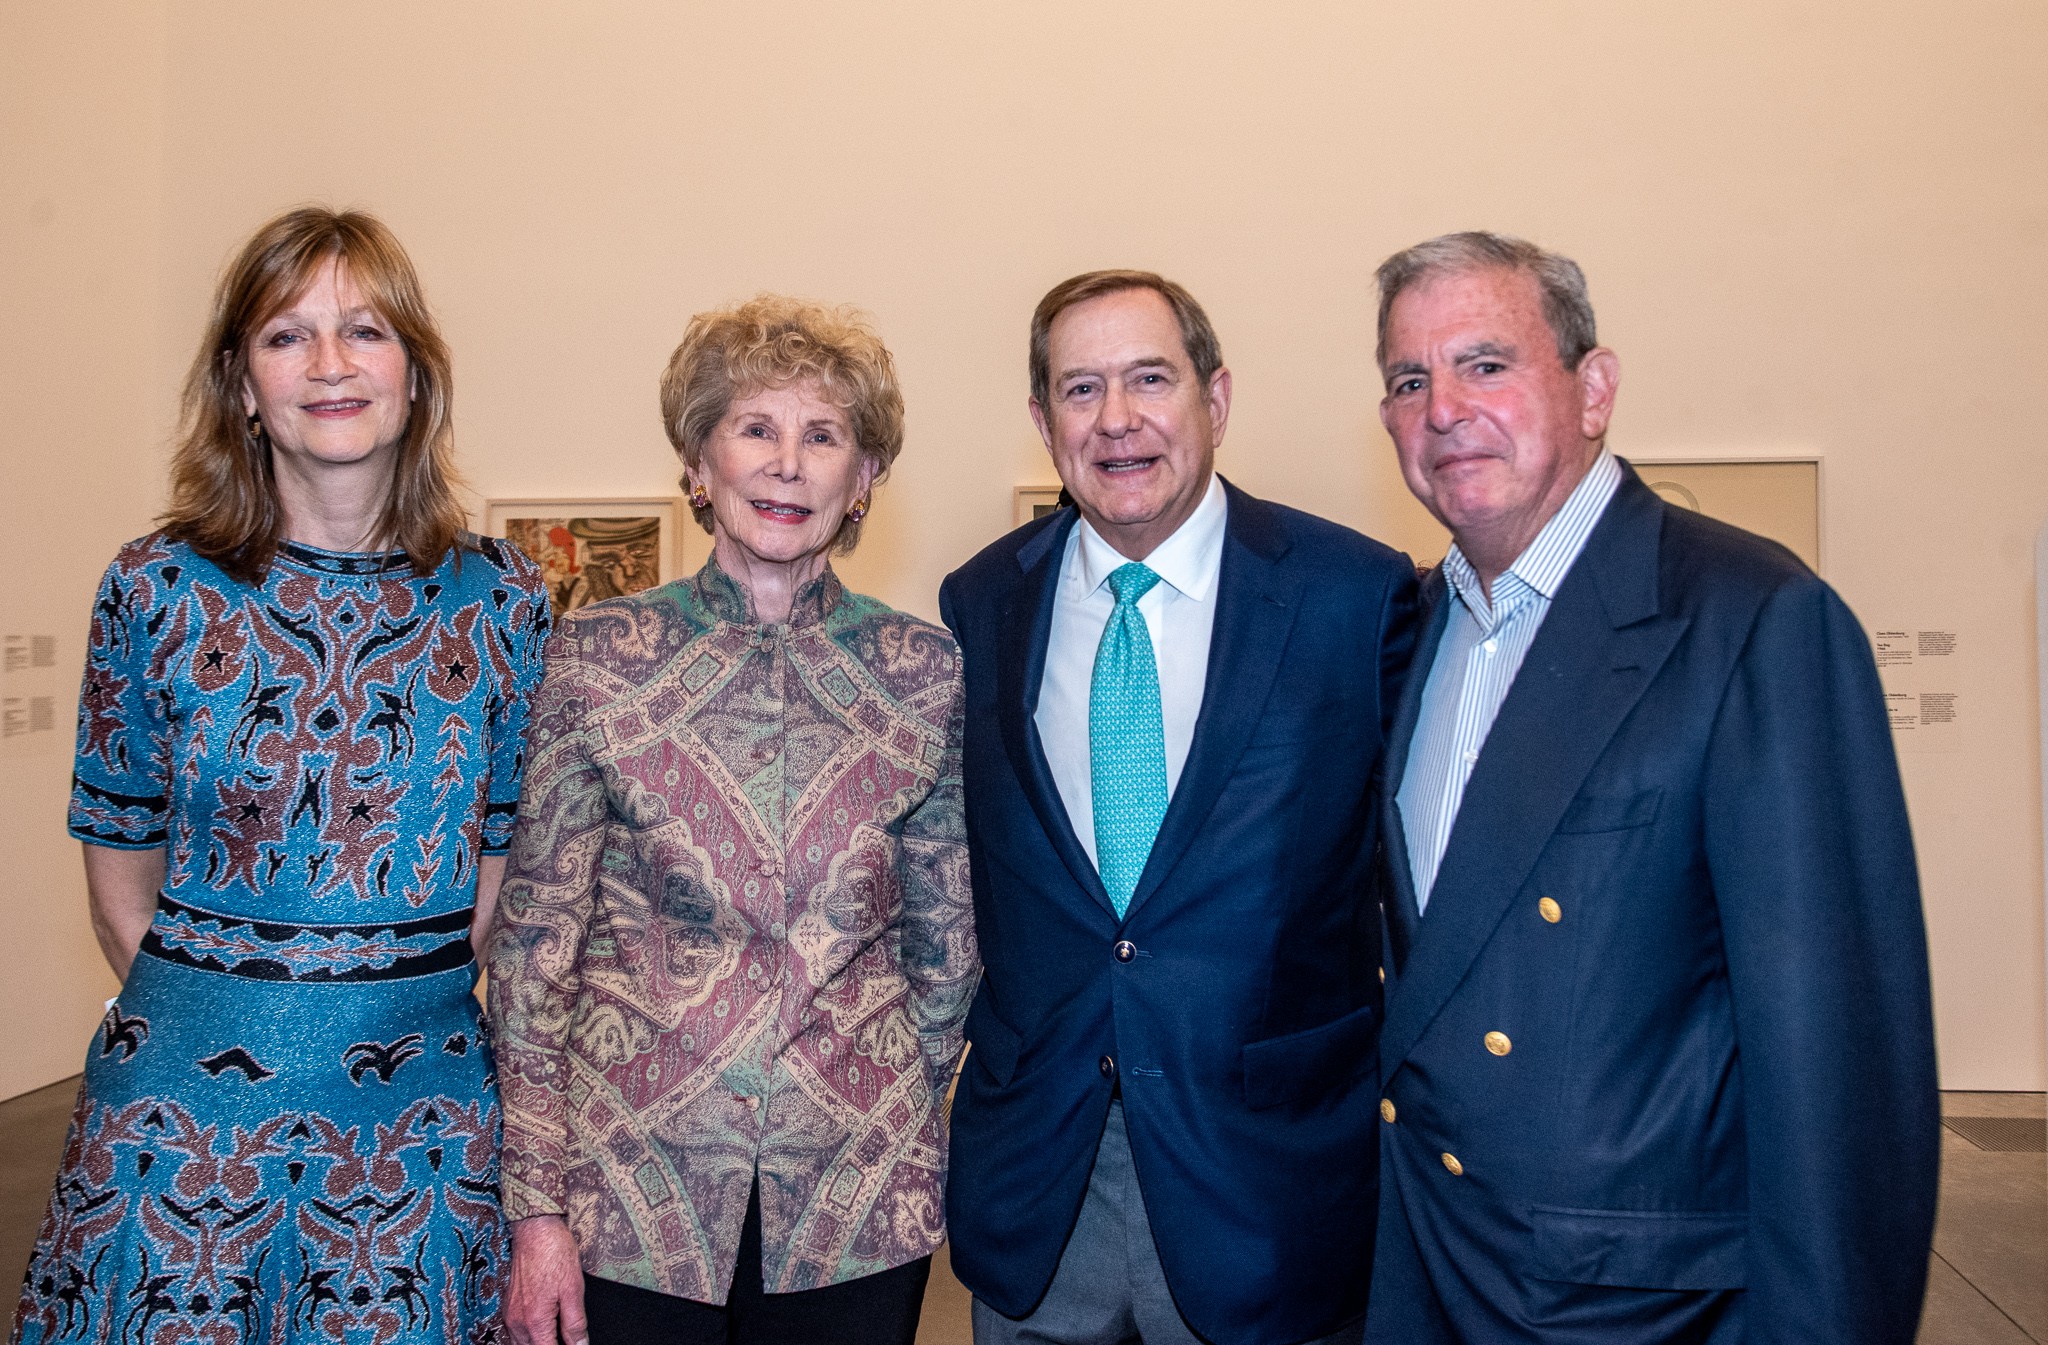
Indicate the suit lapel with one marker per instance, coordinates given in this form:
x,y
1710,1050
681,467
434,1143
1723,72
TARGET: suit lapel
x,y
1402,907
1601,645
1023,633
1256,602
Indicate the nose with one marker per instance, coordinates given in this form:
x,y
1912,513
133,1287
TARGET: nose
x,y
1119,413
786,464
330,362
1447,407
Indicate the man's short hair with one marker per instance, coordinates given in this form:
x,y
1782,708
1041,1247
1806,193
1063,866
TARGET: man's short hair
x,y
1566,306
1197,337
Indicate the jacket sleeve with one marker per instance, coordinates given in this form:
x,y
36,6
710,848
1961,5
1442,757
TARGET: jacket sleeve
x,y
543,920
936,932
1812,865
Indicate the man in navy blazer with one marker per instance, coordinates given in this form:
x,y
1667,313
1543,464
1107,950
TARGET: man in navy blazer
x,y
1658,1061
1164,1130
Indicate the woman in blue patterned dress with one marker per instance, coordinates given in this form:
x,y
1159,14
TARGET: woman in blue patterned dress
x,y
298,758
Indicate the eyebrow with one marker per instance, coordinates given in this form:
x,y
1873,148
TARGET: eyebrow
x,y
1484,350
1143,362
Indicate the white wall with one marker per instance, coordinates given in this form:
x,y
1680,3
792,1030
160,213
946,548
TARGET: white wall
x,y
1816,232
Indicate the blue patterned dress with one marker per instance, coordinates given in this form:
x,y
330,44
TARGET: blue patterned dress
x,y
289,1125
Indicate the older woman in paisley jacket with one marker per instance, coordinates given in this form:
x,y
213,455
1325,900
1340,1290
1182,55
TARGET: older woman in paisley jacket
x,y
735,944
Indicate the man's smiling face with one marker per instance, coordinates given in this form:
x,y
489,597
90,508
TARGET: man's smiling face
x,y
1132,430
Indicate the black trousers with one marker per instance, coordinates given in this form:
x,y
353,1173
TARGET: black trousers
x,y
878,1309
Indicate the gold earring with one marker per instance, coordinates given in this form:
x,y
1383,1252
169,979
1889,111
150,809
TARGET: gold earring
x,y
255,428
858,512
699,497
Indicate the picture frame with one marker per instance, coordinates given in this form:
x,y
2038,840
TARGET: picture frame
x,y
589,550
1031,502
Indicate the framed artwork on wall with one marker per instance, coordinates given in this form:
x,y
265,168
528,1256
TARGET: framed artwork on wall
x,y
589,550
1034,502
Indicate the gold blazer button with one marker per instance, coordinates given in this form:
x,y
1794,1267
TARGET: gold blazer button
x,y
1453,1166
1498,1043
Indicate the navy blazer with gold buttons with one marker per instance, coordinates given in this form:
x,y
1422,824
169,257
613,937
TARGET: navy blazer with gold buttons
x,y
1658,1061
1237,1003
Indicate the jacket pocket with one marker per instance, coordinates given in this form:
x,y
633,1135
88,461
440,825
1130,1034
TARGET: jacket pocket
x,y
1634,1249
1308,1064
995,1044
1611,812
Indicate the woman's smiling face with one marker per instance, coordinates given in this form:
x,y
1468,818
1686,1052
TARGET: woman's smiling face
x,y
782,469
329,376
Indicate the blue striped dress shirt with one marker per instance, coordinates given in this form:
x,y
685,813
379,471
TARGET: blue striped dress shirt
x,y
1476,661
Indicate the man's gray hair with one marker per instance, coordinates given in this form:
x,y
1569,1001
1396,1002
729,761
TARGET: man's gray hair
x,y
1566,306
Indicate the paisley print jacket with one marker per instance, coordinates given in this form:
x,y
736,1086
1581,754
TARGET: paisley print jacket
x,y
736,937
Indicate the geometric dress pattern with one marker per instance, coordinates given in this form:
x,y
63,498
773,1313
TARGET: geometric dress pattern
x,y
288,1128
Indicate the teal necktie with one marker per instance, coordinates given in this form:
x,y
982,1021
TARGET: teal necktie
x,y
1126,740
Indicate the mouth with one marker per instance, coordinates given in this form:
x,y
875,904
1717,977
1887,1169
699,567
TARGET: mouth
x,y
776,511
1124,466
334,408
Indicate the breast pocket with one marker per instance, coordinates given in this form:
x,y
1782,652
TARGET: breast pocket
x,y
1610,812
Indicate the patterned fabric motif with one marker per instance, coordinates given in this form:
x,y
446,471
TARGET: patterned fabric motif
x,y
288,1128
1126,740
736,937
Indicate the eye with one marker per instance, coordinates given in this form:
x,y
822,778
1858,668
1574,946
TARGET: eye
x,y
1407,385
283,338
1489,367
755,431
1151,380
1082,389
362,333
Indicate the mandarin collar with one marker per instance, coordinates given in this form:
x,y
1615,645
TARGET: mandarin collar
x,y
728,599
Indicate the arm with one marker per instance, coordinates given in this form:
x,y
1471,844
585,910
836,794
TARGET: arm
x,y
490,876
936,930
1812,866
121,887
535,951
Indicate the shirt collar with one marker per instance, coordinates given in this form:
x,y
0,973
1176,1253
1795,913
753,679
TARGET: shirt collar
x,y
1544,563
1187,561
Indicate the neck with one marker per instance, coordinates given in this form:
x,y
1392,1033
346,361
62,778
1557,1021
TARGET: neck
x,y
336,508
771,585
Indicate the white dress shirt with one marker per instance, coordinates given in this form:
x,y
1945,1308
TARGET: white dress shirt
x,y
1180,614
1481,650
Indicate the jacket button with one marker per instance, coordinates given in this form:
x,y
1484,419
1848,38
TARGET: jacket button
x,y
1498,1043
1550,910
1124,950
1453,1166
1387,1110
1107,1066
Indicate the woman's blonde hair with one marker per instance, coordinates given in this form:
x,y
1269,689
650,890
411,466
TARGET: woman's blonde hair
x,y
772,341
224,500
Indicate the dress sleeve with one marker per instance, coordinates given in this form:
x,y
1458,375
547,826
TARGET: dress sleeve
x,y
120,784
936,932
522,637
543,920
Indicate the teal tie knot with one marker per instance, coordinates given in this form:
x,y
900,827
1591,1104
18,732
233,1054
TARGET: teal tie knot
x,y
1126,740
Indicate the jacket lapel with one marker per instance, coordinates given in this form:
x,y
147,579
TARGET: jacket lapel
x,y
1601,645
1023,633
1256,602
1402,909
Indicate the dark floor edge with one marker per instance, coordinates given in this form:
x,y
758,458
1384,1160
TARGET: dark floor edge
x,y
1981,1294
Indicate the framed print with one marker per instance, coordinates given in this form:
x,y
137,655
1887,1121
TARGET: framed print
x,y
1034,502
589,550
1778,498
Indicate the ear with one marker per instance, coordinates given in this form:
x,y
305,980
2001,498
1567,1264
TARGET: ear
x,y
1599,380
1038,419
869,467
248,396
1218,398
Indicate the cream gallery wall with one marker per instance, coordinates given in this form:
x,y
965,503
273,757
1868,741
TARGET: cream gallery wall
x,y
1815,231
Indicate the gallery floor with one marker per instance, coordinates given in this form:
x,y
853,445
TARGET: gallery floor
x,y
1988,1286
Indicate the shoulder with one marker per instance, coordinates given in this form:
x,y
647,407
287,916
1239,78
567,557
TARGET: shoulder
x,y
503,564
1706,562
1323,548
1000,561
636,633
905,651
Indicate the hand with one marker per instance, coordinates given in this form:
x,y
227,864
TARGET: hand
x,y
547,1284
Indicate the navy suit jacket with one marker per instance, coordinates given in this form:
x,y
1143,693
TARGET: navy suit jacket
x,y
1242,1021
1716,1116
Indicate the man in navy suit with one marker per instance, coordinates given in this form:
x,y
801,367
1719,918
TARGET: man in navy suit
x,y
1177,696
1658,1062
